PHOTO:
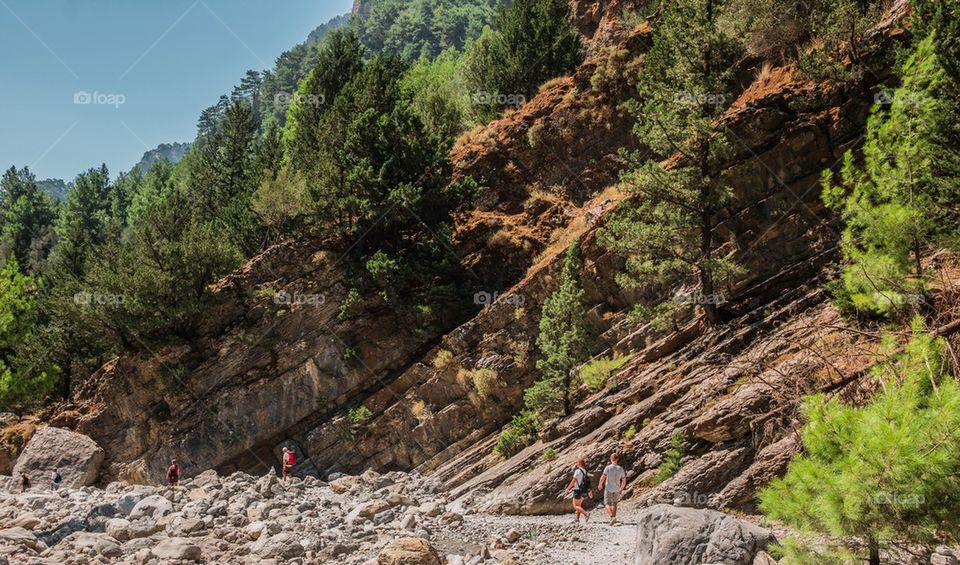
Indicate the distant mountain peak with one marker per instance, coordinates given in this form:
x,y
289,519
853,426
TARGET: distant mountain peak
x,y
171,152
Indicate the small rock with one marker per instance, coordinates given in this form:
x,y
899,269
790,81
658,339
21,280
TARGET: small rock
x,y
178,548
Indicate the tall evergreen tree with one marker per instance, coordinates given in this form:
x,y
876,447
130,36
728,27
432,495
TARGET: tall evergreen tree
x,y
563,340
668,230
22,385
903,197
26,219
84,222
340,59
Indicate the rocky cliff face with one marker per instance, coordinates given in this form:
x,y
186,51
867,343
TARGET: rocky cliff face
x,y
277,366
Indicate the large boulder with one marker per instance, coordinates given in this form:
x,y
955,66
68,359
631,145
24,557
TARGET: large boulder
x,y
668,535
76,456
408,551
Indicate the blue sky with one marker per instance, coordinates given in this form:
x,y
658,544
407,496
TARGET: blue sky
x,y
149,67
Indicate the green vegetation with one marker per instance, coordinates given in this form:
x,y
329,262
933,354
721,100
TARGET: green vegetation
x,y
903,197
563,341
549,454
673,458
20,388
596,373
884,472
359,417
346,139
531,42
423,28
668,230
521,432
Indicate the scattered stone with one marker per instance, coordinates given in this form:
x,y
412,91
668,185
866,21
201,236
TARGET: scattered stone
x,y
178,548
408,551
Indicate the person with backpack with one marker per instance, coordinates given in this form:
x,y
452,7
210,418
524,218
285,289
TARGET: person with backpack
x,y
288,461
613,482
580,485
173,473
55,479
24,482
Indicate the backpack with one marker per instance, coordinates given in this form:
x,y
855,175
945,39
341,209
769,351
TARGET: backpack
x,y
57,478
584,484
290,458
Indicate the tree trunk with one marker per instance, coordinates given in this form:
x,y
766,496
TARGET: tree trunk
x,y
874,549
706,237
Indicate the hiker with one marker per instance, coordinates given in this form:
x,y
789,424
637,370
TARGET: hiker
x,y
173,473
580,484
288,460
55,479
613,482
24,482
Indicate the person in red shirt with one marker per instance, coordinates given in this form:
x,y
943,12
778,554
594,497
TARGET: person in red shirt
x,y
288,461
173,473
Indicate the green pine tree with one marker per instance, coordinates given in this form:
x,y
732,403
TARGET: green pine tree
x,y
668,229
533,42
21,384
885,472
902,197
563,341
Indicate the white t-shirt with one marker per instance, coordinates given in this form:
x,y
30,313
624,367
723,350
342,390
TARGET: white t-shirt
x,y
614,474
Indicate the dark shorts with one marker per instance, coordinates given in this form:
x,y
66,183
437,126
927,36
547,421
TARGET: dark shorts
x,y
577,494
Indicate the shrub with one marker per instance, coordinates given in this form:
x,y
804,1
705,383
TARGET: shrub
x,y
359,417
522,432
549,454
673,459
596,373
630,433
442,359
483,381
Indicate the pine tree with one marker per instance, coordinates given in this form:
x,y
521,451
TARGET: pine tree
x,y
885,472
20,386
668,230
84,223
26,219
533,42
902,197
563,341
340,60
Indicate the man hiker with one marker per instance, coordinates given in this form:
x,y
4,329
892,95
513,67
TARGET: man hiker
x,y
173,473
613,482
580,484
24,482
55,479
288,461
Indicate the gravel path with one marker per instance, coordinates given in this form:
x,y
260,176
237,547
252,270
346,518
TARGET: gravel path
x,y
557,540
